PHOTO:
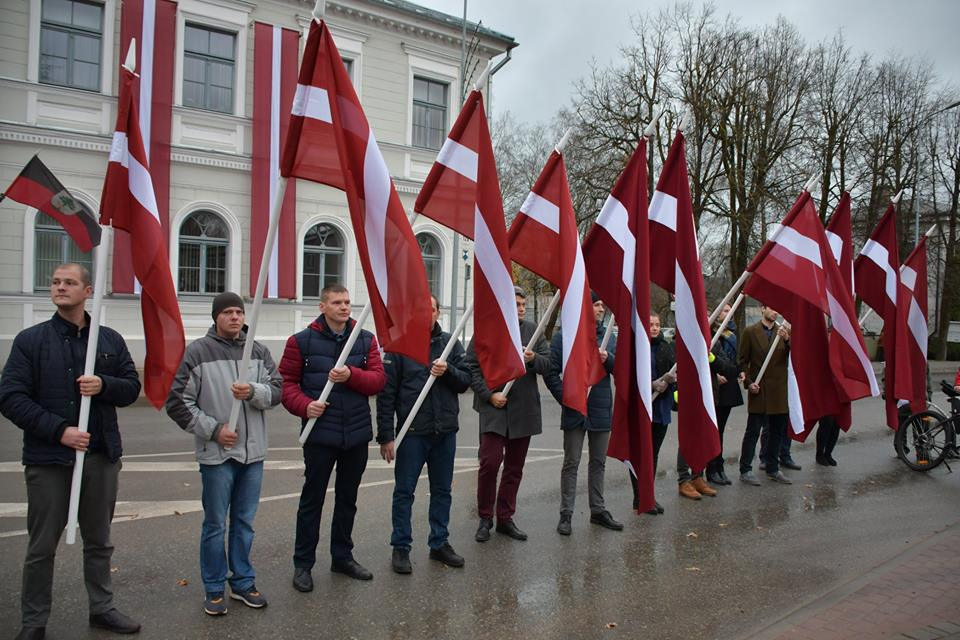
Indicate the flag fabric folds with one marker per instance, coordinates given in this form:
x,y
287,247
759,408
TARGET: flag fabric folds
x,y
36,186
840,236
330,141
462,192
544,230
618,245
128,203
911,361
876,272
275,54
671,222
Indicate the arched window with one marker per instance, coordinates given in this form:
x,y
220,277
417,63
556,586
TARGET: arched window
x,y
432,260
52,247
204,241
323,261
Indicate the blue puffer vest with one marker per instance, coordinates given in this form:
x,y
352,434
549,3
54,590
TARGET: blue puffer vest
x,y
346,423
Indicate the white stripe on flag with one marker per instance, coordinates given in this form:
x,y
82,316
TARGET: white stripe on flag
x,y
312,102
273,270
376,187
542,210
909,278
844,328
572,310
793,399
799,245
615,219
461,159
694,340
879,255
118,149
501,284
836,245
918,326
142,187
147,34
641,354
663,209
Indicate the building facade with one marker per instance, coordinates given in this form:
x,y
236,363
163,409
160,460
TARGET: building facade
x,y
58,95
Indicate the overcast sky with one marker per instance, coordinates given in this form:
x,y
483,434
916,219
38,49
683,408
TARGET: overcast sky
x,y
558,39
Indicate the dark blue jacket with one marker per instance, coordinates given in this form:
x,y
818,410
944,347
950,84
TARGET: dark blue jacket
x,y
599,402
39,391
307,360
405,378
662,358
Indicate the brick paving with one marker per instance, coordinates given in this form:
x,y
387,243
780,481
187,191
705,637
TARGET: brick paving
x,y
915,596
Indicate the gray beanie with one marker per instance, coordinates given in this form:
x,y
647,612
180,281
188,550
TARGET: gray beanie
x,y
226,300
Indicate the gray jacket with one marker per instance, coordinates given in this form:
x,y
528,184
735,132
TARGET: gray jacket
x,y
200,398
520,418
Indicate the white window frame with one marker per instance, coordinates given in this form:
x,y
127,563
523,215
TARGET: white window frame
x,y
443,237
349,250
436,66
29,239
234,246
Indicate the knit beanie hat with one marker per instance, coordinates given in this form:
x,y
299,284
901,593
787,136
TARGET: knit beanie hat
x,y
226,300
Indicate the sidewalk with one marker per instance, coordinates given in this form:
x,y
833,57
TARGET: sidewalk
x,y
914,596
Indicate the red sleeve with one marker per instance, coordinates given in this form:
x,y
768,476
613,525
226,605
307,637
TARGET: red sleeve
x,y
291,368
369,381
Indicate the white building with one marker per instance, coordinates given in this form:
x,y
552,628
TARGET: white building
x,y
58,88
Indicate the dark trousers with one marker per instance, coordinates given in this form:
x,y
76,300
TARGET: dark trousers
x,y
48,499
437,451
494,451
828,432
776,432
785,443
658,431
319,462
723,414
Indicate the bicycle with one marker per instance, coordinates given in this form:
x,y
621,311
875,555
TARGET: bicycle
x,y
928,438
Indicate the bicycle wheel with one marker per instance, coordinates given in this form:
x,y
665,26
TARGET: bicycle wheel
x,y
922,440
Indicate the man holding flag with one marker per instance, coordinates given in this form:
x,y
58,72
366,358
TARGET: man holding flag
x,y
40,392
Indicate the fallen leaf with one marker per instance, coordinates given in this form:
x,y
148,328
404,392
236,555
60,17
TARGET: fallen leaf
x,y
186,484
114,569
182,582
693,568
808,486
723,524
177,513
611,625
692,535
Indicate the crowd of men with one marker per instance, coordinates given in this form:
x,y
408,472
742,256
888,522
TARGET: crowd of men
x,y
42,385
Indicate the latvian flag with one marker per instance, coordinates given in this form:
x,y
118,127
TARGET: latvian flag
x,y
274,84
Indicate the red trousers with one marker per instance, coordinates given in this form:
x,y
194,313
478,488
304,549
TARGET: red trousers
x,y
494,451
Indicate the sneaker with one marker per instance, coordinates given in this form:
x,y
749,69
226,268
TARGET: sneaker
x,y
215,604
401,561
250,597
564,527
447,556
749,478
779,477
302,580
789,464
605,519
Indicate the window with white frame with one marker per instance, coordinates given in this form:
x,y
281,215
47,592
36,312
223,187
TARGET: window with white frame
x,y
323,259
432,260
209,59
52,247
71,33
348,63
204,245
429,112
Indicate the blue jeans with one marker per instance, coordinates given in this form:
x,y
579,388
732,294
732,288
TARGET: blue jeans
x,y
437,452
234,487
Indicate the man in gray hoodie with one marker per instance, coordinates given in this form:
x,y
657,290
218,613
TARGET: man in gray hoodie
x,y
231,461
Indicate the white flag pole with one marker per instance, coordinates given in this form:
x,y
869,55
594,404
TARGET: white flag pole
x,y
766,361
541,327
88,370
607,333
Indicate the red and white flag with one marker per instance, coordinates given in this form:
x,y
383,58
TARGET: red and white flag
x,y
462,192
671,217
911,362
546,229
329,141
275,54
618,245
840,236
876,273
128,203
154,25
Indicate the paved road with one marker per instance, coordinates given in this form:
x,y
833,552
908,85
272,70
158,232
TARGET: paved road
x,y
719,568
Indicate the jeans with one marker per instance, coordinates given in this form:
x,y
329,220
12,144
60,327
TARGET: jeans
x,y
723,414
319,461
777,430
231,487
597,442
785,443
437,452
494,451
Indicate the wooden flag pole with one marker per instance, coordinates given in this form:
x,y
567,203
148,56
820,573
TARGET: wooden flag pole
x,y
766,361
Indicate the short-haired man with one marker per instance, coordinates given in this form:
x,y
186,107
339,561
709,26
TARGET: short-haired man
x,y
506,426
342,430
40,392
231,461
767,401
594,427
431,440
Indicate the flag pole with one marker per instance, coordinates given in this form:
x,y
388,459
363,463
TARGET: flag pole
x,y
93,338
607,332
766,361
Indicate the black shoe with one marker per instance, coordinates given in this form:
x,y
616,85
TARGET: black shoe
x,y
114,621
447,556
790,464
350,568
564,527
511,530
604,519
483,531
302,580
31,633
401,561
822,460
830,459
723,476
714,477
659,507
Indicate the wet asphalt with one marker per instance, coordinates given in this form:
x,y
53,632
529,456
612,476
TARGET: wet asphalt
x,y
724,567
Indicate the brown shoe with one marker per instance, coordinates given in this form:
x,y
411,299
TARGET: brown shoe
x,y
687,490
701,485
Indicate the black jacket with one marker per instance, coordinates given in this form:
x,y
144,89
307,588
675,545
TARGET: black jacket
x,y
599,402
39,391
405,378
729,393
